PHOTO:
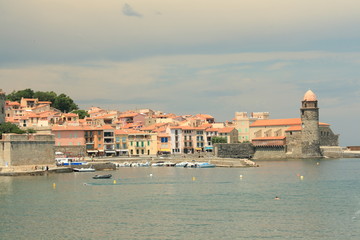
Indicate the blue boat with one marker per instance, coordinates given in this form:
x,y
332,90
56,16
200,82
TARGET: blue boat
x,y
205,165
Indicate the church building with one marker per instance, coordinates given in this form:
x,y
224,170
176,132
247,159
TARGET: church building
x,y
294,137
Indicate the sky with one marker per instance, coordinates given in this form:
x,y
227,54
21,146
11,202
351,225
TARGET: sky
x,y
213,57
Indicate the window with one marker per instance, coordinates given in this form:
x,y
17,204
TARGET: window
x,y
164,139
148,143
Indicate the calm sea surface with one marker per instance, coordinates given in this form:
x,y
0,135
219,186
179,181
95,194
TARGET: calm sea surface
x,y
181,203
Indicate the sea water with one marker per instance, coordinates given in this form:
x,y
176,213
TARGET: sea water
x,y
318,199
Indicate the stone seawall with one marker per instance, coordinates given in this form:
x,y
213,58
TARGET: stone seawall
x,y
234,150
26,149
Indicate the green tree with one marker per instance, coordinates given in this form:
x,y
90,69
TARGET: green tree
x,y
218,140
45,96
64,103
82,113
10,128
17,95
30,130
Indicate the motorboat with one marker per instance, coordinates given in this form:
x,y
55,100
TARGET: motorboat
x,y
158,164
90,169
169,164
102,176
181,164
205,165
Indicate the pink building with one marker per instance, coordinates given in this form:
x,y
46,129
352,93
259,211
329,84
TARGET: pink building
x,y
69,135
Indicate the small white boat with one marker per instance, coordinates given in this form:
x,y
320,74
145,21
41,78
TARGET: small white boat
x,y
181,164
158,164
90,169
146,164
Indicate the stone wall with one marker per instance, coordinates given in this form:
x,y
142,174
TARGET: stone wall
x,y
27,149
328,138
234,150
271,153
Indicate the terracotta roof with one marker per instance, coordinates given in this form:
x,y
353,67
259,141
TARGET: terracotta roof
x,y
226,129
10,103
206,116
70,115
107,127
294,128
281,122
276,122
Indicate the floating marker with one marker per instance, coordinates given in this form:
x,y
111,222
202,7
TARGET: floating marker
x,y
150,174
54,185
302,177
241,176
317,163
114,181
193,178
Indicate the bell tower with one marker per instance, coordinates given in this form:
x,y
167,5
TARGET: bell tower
x,y
310,134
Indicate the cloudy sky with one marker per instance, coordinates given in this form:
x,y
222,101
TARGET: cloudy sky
x,y
182,56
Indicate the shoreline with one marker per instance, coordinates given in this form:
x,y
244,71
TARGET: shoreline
x,y
103,164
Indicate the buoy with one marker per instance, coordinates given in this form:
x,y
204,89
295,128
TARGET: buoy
x,y
54,185
150,174
114,181
317,163
241,176
193,178
301,177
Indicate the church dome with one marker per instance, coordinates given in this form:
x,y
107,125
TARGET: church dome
x,y
310,96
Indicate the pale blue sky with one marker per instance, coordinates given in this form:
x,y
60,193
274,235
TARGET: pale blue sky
x,y
188,57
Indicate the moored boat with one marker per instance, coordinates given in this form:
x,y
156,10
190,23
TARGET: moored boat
x,y
102,176
90,169
205,165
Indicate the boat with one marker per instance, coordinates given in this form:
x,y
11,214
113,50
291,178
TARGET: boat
x,y
181,164
158,164
102,176
169,164
205,165
90,169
